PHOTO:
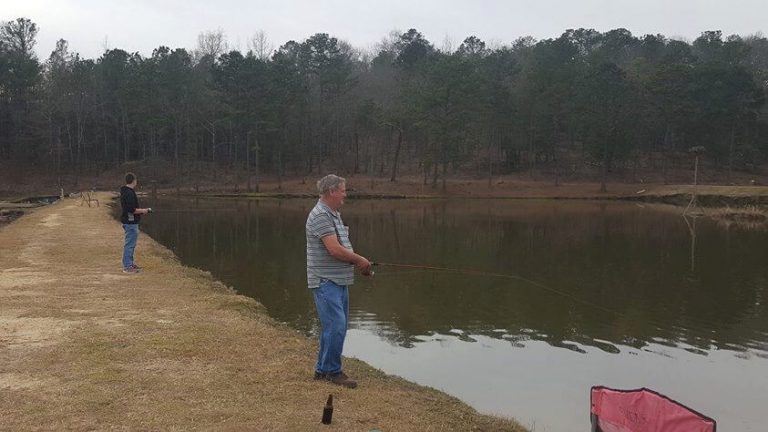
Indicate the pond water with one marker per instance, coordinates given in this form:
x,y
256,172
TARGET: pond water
x,y
544,300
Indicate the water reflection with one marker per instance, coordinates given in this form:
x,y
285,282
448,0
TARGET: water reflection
x,y
588,274
690,221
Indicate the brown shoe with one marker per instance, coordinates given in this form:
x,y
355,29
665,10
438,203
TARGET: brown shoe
x,y
339,378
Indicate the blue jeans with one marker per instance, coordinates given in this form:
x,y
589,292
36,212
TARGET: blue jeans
x,y
131,234
332,302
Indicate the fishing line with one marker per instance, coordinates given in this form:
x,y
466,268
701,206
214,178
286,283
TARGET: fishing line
x,y
499,275
658,324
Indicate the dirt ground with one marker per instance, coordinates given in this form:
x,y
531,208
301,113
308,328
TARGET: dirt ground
x,y
85,347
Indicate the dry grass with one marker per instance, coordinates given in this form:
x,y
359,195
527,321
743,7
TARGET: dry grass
x,y
732,191
84,347
747,217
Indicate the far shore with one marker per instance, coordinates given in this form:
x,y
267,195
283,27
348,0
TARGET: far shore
x,y
16,199
509,188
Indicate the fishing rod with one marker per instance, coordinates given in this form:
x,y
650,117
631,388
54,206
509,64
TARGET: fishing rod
x,y
190,210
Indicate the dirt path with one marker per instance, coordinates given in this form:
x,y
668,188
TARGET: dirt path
x,y
84,346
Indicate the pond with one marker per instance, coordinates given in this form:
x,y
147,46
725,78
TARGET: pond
x,y
539,300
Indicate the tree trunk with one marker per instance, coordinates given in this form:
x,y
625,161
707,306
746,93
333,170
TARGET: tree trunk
x,y
397,154
79,149
445,174
383,153
603,187
70,147
248,158
213,151
635,166
176,133
125,139
280,159
490,161
256,156
231,141
531,150
106,151
357,153
730,150
434,175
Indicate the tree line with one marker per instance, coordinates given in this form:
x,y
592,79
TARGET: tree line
x,y
584,101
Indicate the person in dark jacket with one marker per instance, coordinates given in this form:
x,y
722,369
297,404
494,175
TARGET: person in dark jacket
x,y
130,218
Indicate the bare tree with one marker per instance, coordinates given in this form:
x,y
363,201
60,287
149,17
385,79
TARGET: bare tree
x,y
449,45
105,45
260,46
211,44
388,43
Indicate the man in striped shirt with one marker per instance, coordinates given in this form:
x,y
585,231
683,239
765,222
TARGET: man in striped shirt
x,y
330,270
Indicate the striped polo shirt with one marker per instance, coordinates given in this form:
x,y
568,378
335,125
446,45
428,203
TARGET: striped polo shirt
x,y
323,221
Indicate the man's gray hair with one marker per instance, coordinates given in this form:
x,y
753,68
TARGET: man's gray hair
x,y
329,183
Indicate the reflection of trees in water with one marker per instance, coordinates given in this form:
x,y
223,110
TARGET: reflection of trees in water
x,y
254,249
690,221
630,260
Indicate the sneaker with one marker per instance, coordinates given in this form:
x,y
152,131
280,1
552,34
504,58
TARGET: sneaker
x,y
136,266
339,378
131,270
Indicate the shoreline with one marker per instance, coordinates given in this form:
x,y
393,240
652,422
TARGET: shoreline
x,y
84,346
680,195
507,188
710,196
406,186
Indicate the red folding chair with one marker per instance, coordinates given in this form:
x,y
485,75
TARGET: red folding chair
x,y
643,410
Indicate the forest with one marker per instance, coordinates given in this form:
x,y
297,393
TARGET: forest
x,y
584,103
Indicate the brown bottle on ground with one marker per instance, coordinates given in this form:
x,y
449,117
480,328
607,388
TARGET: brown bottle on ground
x,y
328,410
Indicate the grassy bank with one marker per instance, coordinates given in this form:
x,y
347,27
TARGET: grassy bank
x,y
84,346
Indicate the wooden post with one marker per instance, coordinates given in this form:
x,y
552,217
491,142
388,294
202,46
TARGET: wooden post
x,y
697,151
696,172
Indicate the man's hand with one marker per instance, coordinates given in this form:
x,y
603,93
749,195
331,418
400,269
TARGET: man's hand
x,y
365,267
149,209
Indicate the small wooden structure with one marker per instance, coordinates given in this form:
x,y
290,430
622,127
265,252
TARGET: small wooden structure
x,y
87,197
696,151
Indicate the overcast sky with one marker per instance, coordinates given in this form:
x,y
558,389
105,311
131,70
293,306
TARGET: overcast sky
x,y
142,25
